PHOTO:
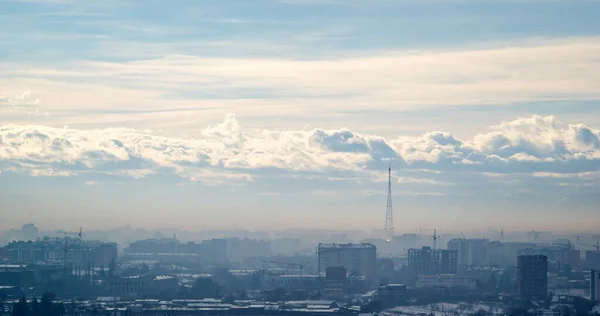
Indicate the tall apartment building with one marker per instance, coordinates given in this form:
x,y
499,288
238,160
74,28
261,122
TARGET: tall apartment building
x,y
471,252
432,261
592,259
359,259
595,286
532,276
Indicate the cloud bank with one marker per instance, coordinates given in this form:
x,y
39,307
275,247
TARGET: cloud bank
x,y
227,152
172,88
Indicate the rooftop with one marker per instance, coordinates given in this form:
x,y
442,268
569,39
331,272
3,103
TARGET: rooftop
x,y
346,246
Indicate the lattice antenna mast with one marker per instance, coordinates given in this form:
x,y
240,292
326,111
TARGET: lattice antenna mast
x,y
389,213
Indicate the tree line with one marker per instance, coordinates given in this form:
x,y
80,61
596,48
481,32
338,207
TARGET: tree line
x,y
44,307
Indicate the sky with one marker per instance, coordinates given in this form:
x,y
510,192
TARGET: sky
x,y
274,114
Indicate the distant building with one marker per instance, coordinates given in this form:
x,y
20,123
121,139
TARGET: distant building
x,y
287,245
532,276
216,249
358,259
592,259
559,255
27,276
432,261
29,232
79,252
169,250
238,249
335,282
471,252
406,241
505,253
305,282
595,286
130,286
568,256
134,286
445,281
391,294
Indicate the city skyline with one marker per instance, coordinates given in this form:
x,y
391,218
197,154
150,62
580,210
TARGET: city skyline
x,y
286,114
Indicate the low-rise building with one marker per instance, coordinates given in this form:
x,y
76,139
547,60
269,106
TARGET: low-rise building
x,y
272,281
134,286
391,294
445,281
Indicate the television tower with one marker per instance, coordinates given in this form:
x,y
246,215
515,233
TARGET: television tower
x,y
389,214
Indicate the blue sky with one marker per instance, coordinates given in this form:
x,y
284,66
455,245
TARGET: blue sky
x,y
263,114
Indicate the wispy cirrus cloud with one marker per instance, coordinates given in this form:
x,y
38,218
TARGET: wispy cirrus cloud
x,y
396,81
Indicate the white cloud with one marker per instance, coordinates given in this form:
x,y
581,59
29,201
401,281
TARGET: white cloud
x,y
563,69
227,152
413,180
22,102
579,175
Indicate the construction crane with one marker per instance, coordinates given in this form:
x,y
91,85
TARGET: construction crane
x,y
300,266
78,236
596,246
435,237
535,235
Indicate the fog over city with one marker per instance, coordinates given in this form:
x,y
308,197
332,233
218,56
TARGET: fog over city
x,y
299,157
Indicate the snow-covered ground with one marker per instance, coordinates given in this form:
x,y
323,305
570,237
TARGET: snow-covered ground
x,y
445,309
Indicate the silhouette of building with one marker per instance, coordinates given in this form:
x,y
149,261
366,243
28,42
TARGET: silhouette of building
x,y
335,282
445,281
78,252
139,285
213,251
240,248
532,276
558,255
29,232
432,261
595,286
592,259
471,252
357,259
391,294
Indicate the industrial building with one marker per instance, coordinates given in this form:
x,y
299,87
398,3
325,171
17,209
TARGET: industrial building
x,y
532,276
357,259
138,285
432,261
